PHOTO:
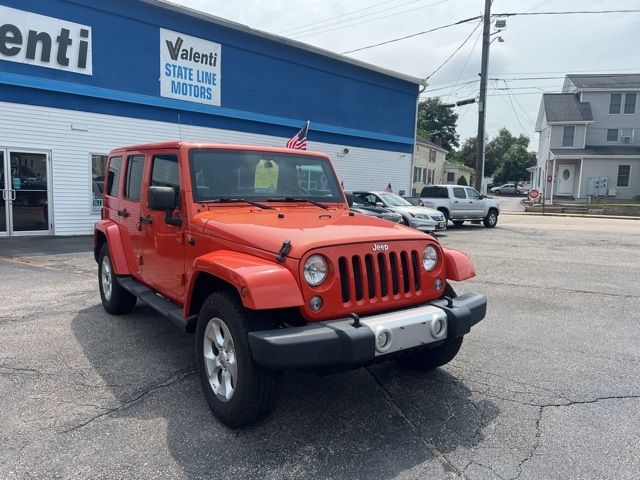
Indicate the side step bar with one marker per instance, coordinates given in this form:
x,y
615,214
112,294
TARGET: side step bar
x,y
164,307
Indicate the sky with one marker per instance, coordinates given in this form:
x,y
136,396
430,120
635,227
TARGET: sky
x,y
533,46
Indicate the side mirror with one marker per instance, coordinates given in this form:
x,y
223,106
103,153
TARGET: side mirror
x,y
349,199
482,197
161,198
164,198
379,204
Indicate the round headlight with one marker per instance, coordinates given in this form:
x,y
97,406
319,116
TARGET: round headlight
x,y
429,258
315,270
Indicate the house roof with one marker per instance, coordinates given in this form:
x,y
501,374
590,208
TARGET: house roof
x,y
426,141
608,81
598,150
566,107
458,166
277,38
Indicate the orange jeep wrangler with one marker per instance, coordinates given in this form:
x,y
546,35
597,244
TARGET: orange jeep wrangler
x,y
256,251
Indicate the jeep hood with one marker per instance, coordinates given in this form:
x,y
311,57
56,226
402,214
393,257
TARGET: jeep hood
x,y
306,228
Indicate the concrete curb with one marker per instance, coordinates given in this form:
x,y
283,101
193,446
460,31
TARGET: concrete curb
x,y
578,215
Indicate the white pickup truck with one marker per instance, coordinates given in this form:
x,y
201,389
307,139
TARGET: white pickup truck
x,y
460,203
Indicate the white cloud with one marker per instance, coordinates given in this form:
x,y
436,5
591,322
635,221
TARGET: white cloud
x,y
533,44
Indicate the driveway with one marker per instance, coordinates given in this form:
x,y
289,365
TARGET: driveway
x,y
547,386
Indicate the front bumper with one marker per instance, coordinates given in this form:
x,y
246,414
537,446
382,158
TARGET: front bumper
x,y
427,225
337,343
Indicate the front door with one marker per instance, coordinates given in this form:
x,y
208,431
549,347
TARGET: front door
x,y
163,247
565,180
25,200
476,205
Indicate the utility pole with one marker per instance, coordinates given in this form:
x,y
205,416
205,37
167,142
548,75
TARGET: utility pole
x,y
482,110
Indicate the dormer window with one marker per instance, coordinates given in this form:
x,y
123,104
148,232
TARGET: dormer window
x,y
617,101
568,132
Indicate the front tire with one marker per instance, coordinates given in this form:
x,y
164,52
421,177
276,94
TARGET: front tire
x,y
115,299
238,391
491,219
430,358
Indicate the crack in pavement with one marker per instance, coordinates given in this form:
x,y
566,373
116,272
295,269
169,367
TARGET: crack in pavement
x,y
541,409
447,465
555,289
176,377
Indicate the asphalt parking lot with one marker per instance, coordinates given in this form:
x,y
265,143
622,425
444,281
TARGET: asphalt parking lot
x,y
547,386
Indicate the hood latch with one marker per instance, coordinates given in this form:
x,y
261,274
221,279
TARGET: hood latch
x,y
284,249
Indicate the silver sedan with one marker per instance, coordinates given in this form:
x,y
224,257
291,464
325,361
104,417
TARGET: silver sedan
x,y
422,218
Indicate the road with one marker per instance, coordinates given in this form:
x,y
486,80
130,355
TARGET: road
x,y
546,387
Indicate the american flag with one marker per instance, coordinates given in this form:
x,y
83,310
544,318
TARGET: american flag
x,y
389,189
299,140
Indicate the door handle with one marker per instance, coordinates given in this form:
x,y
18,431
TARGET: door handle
x,y
123,213
4,195
13,195
146,220
455,201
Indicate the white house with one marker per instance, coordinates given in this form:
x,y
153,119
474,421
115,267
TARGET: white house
x,y
590,138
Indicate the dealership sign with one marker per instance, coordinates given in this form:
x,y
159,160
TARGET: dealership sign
x,y
189,68
33,39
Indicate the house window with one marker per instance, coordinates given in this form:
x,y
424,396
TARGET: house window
x,y
615,103
627,135
451,177
567,135
612,134
98,167
416,177
630,103
430,177
432,156
624,172
424,175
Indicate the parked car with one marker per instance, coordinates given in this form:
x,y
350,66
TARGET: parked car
x,y
510,188
422,218
358,206
459,204
269,274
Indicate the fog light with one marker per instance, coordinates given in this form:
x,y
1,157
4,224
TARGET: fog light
x,y
439,325
383,339
315,303
437,284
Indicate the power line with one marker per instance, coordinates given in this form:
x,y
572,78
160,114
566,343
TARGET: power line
x,y
466,62
336,16
568,12
454,52
323,29
413,35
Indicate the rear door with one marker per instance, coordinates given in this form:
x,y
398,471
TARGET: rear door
x,y
163,250
459,203
129,209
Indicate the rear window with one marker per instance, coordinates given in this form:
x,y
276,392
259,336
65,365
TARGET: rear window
x,y
135,170
435,192
113,178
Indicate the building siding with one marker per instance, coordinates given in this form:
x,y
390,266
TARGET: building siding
x,y
361,168
597,133
608,167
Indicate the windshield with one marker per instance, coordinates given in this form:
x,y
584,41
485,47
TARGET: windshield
x,y
252,175
394,200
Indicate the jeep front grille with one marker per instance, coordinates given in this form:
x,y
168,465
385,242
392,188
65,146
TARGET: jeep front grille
x,y
378,275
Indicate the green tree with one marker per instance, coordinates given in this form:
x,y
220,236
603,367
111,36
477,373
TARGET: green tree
x,y
462,181
513,167
436,120
498,147
466,155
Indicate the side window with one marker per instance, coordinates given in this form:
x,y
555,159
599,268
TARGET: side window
x,y
164,173
113,179
472,194
135,170
458,192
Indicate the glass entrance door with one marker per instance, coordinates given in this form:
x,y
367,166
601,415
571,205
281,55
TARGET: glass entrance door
x,y
25,197
4,196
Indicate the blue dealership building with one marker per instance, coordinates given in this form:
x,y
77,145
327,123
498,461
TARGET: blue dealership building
x,y
81,77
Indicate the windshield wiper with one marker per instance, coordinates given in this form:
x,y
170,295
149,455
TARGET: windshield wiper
x,y
292,199
229,200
